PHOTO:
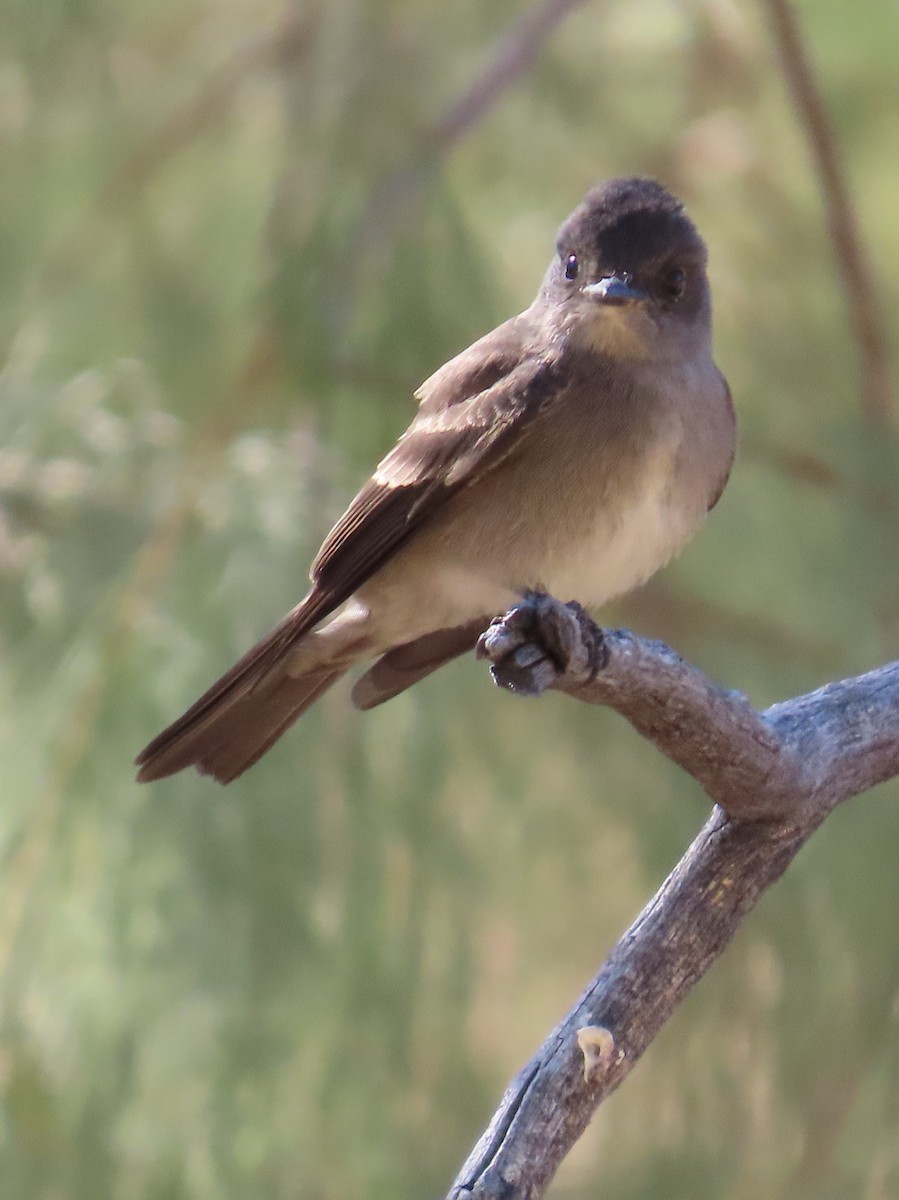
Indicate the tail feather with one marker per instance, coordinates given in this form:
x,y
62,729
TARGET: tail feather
x,y
230,737
244,713
252,705
404,665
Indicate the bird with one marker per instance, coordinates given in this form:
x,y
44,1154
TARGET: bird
x,y
573,450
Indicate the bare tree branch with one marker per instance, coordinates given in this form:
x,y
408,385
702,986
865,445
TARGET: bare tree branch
x,y
281,46
855,269
512,57
396,199
805,467
681,615
775,776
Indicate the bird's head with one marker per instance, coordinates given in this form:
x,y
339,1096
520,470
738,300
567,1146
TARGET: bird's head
x,y
630,272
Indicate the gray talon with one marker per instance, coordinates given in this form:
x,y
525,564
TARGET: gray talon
x,y
530,645
540,639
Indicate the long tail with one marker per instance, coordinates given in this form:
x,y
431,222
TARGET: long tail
x,y
245,712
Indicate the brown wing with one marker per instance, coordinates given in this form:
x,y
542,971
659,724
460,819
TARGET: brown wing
x,y
405,665
474,411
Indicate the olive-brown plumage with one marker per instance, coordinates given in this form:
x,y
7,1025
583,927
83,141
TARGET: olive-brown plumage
x,y
575,448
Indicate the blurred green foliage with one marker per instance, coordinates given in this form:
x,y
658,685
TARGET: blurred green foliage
x,y
231,245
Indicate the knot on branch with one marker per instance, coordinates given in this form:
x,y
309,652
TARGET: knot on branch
x,y
598,1048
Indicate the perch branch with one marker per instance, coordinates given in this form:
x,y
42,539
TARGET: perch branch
x,y
774,775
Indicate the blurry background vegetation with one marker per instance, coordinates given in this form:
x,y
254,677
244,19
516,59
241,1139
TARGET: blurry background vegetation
x,y
233,239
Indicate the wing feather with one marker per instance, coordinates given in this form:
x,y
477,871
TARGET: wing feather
x,y
457,436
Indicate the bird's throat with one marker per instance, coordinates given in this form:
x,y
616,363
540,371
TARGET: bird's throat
x,y
624,332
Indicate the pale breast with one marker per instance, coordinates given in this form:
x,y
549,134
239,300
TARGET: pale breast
x,y
624,549
599,497
672,472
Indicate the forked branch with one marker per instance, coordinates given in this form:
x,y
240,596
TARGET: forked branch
x,y
774,776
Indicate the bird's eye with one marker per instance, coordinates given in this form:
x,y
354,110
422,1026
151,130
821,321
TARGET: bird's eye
x,y
571,267
675,282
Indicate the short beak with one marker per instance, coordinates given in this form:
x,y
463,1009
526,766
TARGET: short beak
x,y
614,289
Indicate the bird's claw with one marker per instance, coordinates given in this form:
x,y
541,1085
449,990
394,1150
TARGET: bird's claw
x,y
537,642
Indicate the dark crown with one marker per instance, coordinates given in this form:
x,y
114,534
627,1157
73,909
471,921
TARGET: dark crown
x,y
630,220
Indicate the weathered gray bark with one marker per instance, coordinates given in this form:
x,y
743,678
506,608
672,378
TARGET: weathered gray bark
x,y
774,777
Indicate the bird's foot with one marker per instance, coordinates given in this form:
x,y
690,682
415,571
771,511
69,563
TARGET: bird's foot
x,y
540,640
